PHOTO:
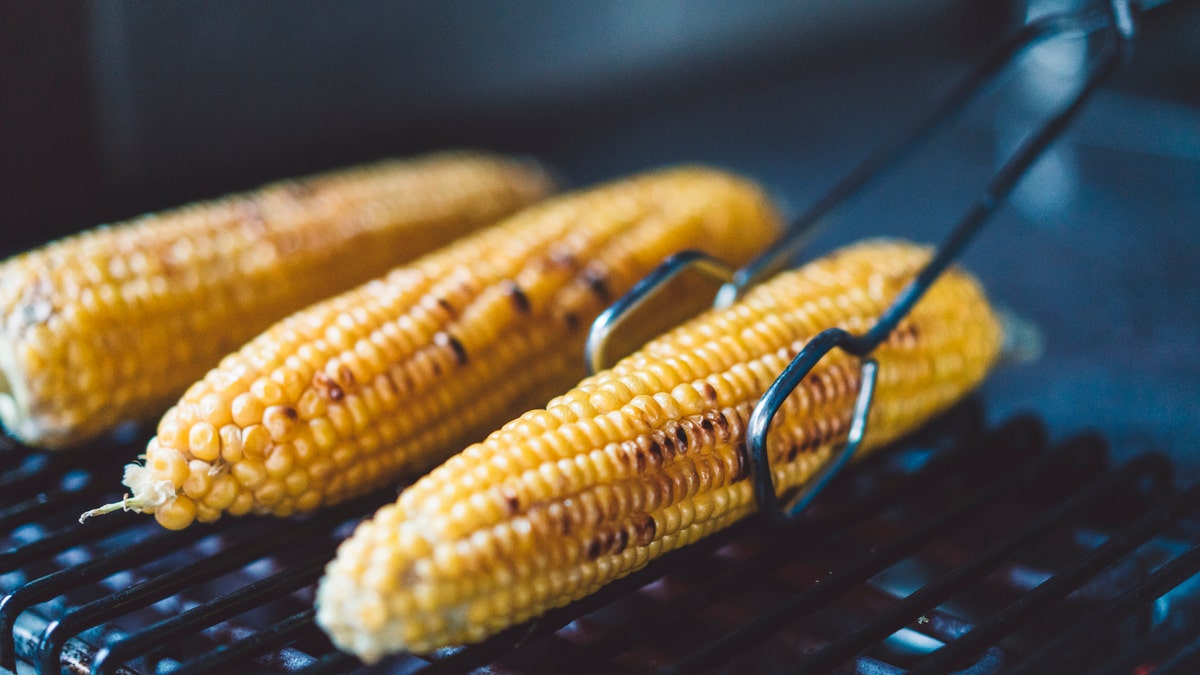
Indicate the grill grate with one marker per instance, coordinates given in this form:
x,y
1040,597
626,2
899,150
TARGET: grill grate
x,y
961,549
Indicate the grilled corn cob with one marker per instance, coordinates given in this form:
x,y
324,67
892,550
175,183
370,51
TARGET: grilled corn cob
x,y
113,324
648,456
387,379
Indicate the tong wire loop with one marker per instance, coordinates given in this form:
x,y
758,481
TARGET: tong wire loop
x,y
1003,181
1116,19
595,351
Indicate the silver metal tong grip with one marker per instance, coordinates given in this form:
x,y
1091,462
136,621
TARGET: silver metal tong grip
x,y
1116,20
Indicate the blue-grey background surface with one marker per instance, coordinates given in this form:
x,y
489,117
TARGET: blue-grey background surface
x,y
1098,248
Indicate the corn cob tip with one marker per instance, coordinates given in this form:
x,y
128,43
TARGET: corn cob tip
x,y
151,494
357,617
14,395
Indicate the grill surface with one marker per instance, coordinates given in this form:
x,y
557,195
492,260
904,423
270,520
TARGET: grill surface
x,y
1010,553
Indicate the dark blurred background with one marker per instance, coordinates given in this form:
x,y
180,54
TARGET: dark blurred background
x,y
109,109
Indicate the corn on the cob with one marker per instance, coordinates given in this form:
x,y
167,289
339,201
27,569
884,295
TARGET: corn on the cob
x,y
648,456
388,379
112,325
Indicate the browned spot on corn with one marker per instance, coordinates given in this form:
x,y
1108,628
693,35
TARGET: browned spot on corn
x,y
327,387
447,307
519,300
511,500
597,283
447,340
646,529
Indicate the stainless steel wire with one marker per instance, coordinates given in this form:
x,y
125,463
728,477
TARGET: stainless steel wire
x,y
1111,24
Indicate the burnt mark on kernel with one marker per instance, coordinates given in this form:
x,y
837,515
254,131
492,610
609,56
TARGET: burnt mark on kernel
x,y
327,387
444,339
571,319
645,530
819,390
389,380
597,282
516,296
654,451
740,467
290,413
594,547
620,541
607,542
451,310
710,394
345,376
512,502
638,459
682,437
722,424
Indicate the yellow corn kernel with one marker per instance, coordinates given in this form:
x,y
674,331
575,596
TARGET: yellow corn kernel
x,y
584,498
459,341
112,324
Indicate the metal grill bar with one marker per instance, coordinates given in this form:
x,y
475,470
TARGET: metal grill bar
x,y
1068,646
55,542
10,453
1061,585
57,583
17,483
207,614
249,548
866,567
29,472
972,571
224,656
333,663
42,504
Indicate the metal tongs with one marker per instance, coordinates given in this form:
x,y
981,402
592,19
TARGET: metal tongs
x,y
1113,24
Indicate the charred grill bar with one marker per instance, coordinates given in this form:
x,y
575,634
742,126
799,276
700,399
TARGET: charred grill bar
x,y
962,548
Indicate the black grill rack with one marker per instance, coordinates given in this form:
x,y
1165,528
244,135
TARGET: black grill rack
x,y
959,549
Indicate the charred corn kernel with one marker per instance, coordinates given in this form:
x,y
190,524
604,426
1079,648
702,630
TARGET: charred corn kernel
x,y
648,456
408,367
112,324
